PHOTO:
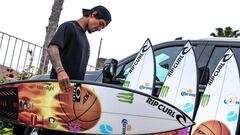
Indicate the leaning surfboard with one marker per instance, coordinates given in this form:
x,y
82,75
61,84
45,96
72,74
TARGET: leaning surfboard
x,y
141,75
180,86
218,110
88,107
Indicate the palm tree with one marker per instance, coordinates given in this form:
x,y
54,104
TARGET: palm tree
x,y
226,32
50,30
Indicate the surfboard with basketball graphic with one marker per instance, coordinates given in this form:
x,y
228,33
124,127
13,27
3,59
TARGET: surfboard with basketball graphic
x,y
87,107
180,86
218,111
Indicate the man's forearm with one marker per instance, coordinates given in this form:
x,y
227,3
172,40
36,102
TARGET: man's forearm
x,y
54,56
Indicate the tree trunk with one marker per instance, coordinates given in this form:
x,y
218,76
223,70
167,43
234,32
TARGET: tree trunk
x,y
50,30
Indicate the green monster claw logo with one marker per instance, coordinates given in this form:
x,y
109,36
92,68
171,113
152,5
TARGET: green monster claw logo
x,y
205,100
126,97
164,91
126,84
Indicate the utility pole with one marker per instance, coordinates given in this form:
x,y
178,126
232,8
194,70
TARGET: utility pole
x,y
99,49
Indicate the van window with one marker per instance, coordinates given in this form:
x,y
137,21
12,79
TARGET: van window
x,y
126,69
215,58
164,59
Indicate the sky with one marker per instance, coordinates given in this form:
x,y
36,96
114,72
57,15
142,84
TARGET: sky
x,y
133,21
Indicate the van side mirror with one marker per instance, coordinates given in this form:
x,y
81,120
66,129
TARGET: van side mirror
x,y
109,70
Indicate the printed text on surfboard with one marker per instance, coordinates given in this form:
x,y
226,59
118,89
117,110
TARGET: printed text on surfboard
x,y
180,118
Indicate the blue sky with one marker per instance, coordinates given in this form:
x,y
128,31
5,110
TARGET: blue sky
x,y
133,21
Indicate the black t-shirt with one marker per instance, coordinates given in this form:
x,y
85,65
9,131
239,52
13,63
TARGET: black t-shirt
x,y
74,49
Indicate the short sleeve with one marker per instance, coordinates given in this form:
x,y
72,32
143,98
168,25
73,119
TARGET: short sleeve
x,y
62,35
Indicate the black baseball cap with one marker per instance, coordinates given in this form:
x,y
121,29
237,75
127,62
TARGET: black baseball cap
x,y
103,13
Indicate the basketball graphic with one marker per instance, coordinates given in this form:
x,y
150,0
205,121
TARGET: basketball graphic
x,y
212,127
79,108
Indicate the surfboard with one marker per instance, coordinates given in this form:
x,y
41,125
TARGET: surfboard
x,y
180,86
218,110
141,75
88,107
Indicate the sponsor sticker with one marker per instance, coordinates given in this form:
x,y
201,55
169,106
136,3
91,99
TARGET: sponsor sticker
x,y
188,92
25,104
231,100
46,86
232,116
164,91
52,122
105,128
86,97
124,126
126,97
188,107
145,86
205,100
77,93
126,84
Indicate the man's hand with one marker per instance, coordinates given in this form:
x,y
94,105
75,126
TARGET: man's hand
x,y
64,81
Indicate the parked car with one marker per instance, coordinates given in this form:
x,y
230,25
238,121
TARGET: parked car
x,y
208,53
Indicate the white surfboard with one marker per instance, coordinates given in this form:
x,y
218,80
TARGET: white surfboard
x,y
180,86
220,100
141,75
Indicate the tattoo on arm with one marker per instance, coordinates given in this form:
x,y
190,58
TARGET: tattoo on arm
x,y
54,56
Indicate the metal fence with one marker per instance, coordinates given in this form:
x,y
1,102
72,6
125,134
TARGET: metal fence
x,y
18,54
21,55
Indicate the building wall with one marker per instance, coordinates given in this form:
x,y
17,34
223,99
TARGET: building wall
x,y
100,62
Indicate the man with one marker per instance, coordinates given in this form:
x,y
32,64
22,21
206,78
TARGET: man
x,y
69,48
